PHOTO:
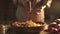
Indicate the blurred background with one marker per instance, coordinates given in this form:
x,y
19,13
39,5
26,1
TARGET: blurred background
x,y
8,11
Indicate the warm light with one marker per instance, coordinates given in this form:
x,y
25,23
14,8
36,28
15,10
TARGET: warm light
x,y
38,1
4,28
38,25
49,3
42,13
42,9
32,24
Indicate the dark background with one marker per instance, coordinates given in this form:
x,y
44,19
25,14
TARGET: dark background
x,y
53,12
8,10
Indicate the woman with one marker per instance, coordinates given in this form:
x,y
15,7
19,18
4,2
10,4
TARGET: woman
x,y
31,9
